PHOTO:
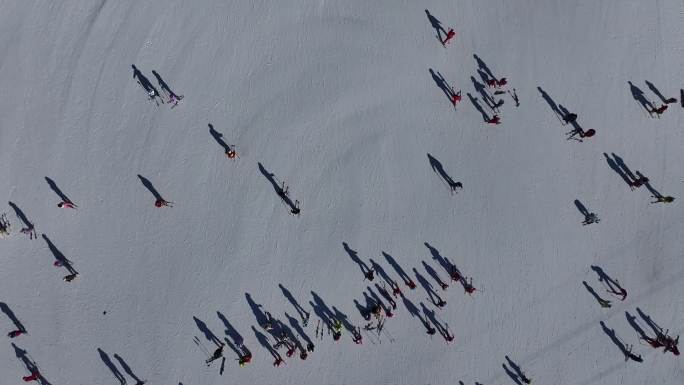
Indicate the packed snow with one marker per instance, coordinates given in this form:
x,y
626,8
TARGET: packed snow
x,y
344,111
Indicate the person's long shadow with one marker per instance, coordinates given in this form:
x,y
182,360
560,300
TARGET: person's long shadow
x,y
443,261
321,309
649,186
639,96
477,105
208,334
30,365
656,91
230,330
432,317
518,371
21,216
623,166
414,312
439,169
615,167
582,209
407,280
382,273
128,370
656,329
631,319
597,297
512,375
340,316
551,103
303,314
432,273
143,81
611,283
575,126
483,66
218,137
10,314
434,297
625,351
442,84
57,191
355,257
59,256
162,83
115,371
150,187
482,90
295,324
256,309
263,341
437,25
278,189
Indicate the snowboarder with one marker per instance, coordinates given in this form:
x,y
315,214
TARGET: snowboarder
x,y
662,199
494,120
35,376
450,35
70,277
160,202
66,205
456,98
16,333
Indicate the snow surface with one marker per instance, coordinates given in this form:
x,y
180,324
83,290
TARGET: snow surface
x,y
336,99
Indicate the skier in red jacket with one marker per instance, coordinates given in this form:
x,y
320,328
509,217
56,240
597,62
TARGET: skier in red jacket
x,y
33,377
494,120
450,35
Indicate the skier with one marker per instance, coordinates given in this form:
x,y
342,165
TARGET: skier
x,y
659,111
337,330
430,330
358,339
16,333
231,153
396,291
514,95
218,353
35,376
244,360
492,83
369,275
160,202
440,303
450,35
494,120
622,293
456,98
278,361
588,133
291,351
639,181
66,204
662,199
70,277
4,226
501,82
468,286
295,210
570,117
310,347
591,218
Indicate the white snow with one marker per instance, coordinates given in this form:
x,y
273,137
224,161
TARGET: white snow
x,y
336,99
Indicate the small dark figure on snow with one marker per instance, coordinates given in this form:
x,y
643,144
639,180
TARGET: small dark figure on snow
x,y
514,95
590,218
640,181
66,205
218,353
160,202
70,277
659,111
35,376
662,199
570,117
16,333
494,120
450,35
369,275
456,98
245,359
295,210
430,330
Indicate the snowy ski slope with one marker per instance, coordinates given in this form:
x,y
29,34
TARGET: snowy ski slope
x,y
336,99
